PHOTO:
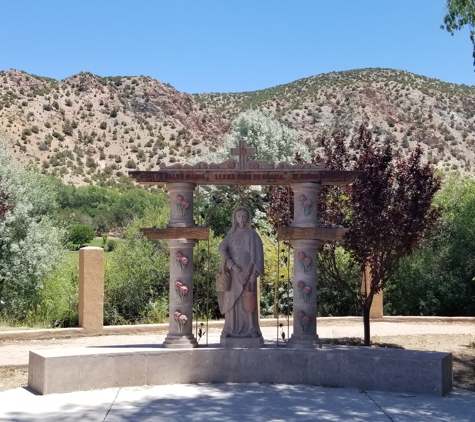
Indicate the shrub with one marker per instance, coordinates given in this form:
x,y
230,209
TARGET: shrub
x,y
111,245
80,235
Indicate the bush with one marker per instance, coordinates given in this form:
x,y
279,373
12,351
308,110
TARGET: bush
x,y
56,304
30,240
80,235
111,245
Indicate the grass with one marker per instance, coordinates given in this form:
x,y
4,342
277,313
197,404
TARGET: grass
x,y
74,255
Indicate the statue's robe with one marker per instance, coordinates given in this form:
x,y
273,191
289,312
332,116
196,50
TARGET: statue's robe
x,y
242,247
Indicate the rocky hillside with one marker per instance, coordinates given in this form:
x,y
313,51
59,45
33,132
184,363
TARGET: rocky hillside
x,y
401,108
91,129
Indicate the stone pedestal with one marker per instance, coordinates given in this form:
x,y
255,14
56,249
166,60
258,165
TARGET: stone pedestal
x,y
241,343
304,287
180,333
91,288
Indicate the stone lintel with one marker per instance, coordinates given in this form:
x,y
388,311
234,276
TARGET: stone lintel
x,y
276,176
196,233
316,233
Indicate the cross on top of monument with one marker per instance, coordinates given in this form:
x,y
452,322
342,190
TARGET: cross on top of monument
x,y
243,152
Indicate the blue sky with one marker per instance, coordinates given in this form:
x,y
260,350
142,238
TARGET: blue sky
x,y
230,45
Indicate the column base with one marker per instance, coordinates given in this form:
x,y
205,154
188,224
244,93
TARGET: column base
x,y
304,342
187,341
242,342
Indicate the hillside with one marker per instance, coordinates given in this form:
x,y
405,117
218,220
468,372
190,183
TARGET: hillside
x,y
91,129
87,128
401,108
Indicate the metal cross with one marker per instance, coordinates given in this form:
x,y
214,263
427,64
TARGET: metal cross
x,y
243,153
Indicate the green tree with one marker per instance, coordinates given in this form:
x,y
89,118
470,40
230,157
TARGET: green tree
x,y
137,273
460,13
80,235
30,244
439,279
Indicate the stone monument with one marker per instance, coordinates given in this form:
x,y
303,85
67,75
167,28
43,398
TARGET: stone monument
x,y
181,234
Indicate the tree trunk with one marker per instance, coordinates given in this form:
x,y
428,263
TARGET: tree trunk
x,y
366,323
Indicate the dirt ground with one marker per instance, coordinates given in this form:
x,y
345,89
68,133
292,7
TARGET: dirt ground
x,y
462,346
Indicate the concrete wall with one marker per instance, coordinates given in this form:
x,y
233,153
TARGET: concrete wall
x,y
405,371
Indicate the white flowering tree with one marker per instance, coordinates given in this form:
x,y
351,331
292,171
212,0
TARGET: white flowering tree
x,y
273,140
30,245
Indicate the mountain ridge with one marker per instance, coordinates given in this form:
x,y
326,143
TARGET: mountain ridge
x,y
92,129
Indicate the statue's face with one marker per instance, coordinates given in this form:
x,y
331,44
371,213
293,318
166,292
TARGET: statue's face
x,y
241,218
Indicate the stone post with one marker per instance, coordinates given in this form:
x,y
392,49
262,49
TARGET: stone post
x,y
376,311
91,288
305,268
180,333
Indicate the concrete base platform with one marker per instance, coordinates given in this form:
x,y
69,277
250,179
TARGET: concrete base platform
x,y
241,342
406,371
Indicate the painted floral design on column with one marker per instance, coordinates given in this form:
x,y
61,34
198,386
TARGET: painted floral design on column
x,y
181,290
180,320
182,261
305,291
304,320
306,204
305,261
182,204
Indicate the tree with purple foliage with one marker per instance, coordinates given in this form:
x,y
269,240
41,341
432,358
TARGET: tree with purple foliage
x,y
388,211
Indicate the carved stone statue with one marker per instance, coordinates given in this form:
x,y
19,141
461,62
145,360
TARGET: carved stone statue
x,y
242,261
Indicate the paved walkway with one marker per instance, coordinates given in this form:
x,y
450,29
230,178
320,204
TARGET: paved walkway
x,y
233,402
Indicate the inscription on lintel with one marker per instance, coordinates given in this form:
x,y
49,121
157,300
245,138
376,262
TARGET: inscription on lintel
x,y
243,177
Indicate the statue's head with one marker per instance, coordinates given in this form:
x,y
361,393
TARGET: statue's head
x,y
241,217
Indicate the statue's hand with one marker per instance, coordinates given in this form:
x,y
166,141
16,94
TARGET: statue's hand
x,y
236,268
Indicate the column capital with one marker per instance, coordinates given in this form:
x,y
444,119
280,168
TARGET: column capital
x,y
180,185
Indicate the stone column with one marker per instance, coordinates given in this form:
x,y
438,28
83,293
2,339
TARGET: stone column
x,y
181,204
305,268
180,333
305,301
91,288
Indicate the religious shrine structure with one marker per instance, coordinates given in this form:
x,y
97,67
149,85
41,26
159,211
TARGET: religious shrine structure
x,y
304,233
